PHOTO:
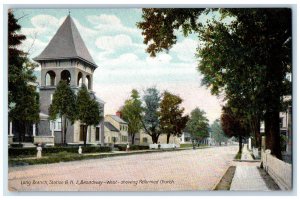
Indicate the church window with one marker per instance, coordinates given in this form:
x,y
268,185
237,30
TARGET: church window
x,y
88,82
79,79
66,76
50,78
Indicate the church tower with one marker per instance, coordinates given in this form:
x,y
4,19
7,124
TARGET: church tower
x,y
65,58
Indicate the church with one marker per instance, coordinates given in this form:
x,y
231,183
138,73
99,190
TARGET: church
x,y
66,57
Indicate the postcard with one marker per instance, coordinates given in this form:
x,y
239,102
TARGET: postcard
x,y
150,99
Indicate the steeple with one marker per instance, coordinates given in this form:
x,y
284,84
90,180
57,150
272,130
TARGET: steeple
x,y
67,44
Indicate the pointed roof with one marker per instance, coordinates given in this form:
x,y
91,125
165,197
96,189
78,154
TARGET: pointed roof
x,y
66,43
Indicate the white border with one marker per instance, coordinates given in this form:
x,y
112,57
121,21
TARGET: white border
x,y
137,3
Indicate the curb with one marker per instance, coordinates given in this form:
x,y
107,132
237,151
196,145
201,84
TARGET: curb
x,y
238,160
100,156
215,186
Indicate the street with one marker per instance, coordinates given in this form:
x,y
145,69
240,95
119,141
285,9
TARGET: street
x,y
164,171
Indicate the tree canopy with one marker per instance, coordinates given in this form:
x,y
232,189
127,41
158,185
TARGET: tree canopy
x,y
132,112
246,59
198,125
150,119
217,132
63,106
88,110
172,121
23,99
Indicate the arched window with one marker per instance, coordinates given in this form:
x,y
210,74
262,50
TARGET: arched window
x,y
66,76
79,79
50,78
88,81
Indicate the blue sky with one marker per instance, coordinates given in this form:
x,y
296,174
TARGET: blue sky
x,y
116,45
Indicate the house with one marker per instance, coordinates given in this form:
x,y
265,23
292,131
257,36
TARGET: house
x,y
115,130
285,124
66,57
145,139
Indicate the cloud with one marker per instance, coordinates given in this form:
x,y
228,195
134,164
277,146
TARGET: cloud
x,y
85,32
113,42
111,24
104,19
43,24
185,50
32,46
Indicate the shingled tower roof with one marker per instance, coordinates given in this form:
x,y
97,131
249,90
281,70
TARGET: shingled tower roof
x,y
66,44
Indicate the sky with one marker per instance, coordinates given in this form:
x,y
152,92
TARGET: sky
x,y
116,45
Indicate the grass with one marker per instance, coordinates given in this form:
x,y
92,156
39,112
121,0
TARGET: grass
x,y
238,156
67,156
191,145
226,180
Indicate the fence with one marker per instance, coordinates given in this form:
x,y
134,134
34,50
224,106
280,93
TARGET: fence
x,y
164,146
256,153
280,171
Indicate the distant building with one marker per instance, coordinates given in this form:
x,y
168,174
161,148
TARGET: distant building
x,y
115,130
145,139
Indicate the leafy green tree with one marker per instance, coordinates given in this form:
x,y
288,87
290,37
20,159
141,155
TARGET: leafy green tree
x,y
150,118
228,69
132,112
246,59
198,125
88,110
23,100
234,124
159,25
217,132
63,106
172,121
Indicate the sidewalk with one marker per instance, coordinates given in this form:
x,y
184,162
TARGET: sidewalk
x,y
249,177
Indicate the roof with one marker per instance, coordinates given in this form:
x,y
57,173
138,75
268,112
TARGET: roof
x,y
110,127
65,44
118,119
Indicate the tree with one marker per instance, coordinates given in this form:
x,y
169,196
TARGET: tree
x,y
150,118
256,40
158,26
172,121
233,124
217,132
132,112
88,111
198,124
63,105
23,100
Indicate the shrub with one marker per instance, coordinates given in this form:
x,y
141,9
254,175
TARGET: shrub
x,y
21,152
16,145
122,147
186,145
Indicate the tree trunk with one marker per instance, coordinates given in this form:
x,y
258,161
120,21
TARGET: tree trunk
x,y
272,130
62,130
257,135
168,138
132,138
240,143
274,77
65,131
84,135
18,130
154,138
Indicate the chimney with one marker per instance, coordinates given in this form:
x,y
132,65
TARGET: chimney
x,y
118,113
